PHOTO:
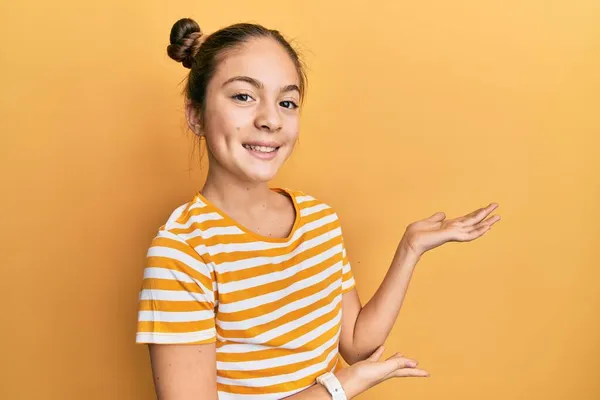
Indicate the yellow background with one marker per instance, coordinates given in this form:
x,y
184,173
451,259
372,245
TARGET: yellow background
x,y
413,107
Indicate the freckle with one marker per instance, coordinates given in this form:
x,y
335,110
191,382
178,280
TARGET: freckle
x,y
158,378
237,127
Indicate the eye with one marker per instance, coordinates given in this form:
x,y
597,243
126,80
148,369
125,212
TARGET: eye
x,y
288,104
243,97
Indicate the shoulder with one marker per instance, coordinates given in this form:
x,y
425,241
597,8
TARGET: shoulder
x,y
184,219
308,203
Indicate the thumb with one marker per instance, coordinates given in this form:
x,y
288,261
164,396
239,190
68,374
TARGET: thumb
x,y
437,217
376,354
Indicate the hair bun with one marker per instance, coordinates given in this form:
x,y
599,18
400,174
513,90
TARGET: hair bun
x,y
185,41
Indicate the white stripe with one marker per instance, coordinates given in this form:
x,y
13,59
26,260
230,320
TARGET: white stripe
x,y
277,361
198,266
271,297
278,295
198,204
165,273
196,219
230,287
290,326
175,316
239,265
346,268
210,232
173,295
278,379
314,209
302,340
188,337
280,312
260,245
302,199
177,255
294,344
176,214
347,284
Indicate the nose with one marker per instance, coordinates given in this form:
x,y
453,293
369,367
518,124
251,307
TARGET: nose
x,y
268,118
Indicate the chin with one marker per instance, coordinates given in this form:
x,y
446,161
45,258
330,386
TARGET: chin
x,y
260,175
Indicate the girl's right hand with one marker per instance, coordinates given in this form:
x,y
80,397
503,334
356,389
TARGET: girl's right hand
x,y
370,372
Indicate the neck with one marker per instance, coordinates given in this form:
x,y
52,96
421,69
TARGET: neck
x,y
229,193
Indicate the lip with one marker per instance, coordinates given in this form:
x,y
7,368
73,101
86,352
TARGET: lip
x,y
260,143
261,155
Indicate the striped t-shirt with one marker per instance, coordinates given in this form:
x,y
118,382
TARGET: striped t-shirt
x,y
272,305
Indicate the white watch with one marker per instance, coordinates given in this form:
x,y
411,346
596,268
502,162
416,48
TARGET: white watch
x,y
333,386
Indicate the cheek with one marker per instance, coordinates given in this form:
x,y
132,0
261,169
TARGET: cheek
x,y
294,134
224,129
293,128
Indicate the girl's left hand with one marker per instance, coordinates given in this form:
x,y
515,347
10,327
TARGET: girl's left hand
x,y
427,234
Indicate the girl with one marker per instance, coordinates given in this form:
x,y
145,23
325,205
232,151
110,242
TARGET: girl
x,y
248,292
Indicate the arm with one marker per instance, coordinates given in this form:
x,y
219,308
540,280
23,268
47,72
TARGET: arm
x,y
365,374
350,383
176,319
184,372
188,372
377,317
366,328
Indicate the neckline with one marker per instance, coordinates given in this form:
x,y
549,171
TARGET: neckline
x,y
251,232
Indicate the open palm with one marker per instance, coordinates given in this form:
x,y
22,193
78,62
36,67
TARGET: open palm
x,y
424,235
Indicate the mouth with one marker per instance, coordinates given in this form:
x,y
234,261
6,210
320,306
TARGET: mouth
x,y
260,148
263,151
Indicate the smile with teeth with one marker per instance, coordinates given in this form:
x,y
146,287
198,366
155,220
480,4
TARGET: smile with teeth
x,y
262,149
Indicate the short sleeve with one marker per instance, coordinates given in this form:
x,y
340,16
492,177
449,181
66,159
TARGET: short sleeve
x,y
177,298
347,275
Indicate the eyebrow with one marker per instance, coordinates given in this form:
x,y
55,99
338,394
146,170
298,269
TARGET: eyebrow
x,y
258,84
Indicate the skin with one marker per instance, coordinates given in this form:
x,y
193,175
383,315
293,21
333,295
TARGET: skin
x,y
238,112
253,98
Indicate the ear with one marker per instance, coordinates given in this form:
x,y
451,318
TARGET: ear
x,y
192,114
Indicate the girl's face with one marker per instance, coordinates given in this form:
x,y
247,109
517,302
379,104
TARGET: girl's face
x,y
252,115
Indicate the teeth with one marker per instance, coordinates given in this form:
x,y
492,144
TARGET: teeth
x,y
262,149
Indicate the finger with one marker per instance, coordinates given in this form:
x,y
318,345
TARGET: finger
x,y
400,362
376,354
483,226
437,217
488,222
407,372
474,233
399,356
478,215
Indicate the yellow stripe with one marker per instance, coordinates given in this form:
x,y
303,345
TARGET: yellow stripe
x,y
284,387
281,370
273,347
175,327
269,307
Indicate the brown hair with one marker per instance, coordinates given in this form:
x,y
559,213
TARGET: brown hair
x,y
202,54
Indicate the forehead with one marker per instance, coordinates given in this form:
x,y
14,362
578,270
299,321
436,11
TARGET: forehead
x,y
263,59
